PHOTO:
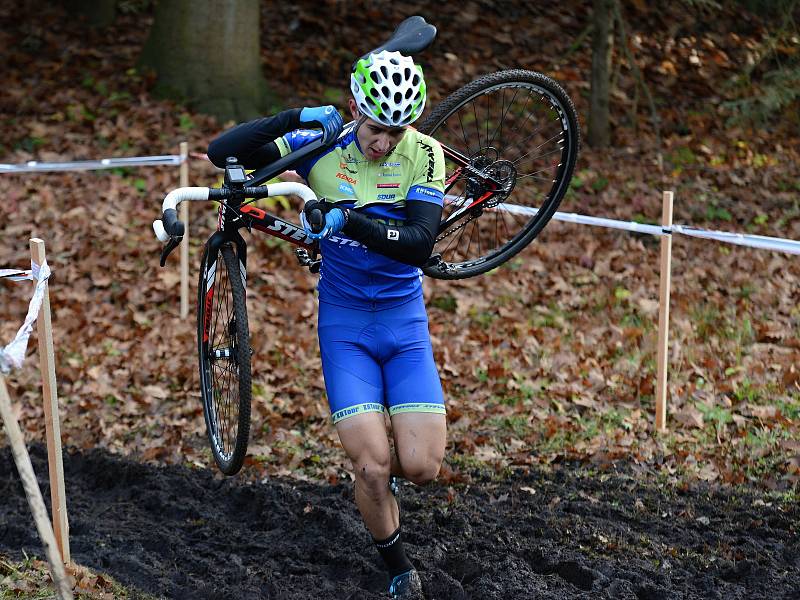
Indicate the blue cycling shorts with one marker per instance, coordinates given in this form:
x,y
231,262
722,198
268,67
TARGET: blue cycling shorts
x,y
377,359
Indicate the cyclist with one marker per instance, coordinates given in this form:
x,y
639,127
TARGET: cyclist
x,y
383,183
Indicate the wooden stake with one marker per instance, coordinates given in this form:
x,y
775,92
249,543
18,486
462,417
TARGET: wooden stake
x,y
663,314
34,495
52,423
184,181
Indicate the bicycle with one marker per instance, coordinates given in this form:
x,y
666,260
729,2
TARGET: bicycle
x,y
486,160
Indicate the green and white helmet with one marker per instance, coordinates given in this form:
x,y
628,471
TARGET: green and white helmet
x,y
389,88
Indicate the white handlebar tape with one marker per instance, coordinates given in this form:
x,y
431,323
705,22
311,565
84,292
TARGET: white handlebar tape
x,y
290,187
161,233
177,196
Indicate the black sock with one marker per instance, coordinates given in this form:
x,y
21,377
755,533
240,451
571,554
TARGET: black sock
x,y
392,553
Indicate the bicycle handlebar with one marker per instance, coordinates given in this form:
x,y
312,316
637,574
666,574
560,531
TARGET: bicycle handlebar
x,y
170,228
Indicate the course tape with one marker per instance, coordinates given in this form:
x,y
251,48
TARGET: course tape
x,y
13,355
91,165
740,239
15,274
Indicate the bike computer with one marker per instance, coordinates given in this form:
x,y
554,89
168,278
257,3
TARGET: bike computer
x,y
235,174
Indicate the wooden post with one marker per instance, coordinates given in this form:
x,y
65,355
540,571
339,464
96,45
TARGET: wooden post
x,y
52,423
663,314
34,495
184,181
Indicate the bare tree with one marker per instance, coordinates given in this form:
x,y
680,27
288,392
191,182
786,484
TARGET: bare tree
x,y
602,45
207,53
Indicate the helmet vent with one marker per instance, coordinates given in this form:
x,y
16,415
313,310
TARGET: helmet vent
x,y
398,97
397,78
415,79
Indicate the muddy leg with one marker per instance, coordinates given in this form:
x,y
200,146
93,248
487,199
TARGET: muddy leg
x,y
365,442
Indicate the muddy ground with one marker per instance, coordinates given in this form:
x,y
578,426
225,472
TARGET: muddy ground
x,y
173,532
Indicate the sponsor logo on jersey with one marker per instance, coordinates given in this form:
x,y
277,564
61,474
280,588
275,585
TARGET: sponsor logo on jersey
x,y
346,178
431,160
345,241
389,174
346,188
390,164
344,166
388,185
386,196
426,191
393,234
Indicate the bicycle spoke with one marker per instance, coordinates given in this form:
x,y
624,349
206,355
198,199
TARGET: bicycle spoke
x,y
557,150
477,125
464,133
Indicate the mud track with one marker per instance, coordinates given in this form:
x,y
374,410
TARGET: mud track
x,y
178,533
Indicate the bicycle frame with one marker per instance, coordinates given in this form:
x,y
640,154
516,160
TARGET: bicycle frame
x,y
252,217
234,216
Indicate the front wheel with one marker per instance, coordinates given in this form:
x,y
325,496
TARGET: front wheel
x,y
519,128
223,342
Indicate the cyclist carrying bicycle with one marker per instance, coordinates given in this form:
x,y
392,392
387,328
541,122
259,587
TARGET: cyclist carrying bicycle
x,y
383,185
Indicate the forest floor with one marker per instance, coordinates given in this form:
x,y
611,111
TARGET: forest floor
x,y
555,477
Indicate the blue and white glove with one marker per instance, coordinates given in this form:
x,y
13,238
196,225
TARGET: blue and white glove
x,y
326,117
334,222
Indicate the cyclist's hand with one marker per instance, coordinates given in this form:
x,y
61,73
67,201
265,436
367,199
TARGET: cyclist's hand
x,y
334,222
326,117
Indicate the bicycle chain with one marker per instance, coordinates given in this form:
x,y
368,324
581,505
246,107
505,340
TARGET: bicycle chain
x,y
457,227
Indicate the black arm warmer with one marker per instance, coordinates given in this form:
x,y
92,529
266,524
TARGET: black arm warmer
x,y
413,241
252,143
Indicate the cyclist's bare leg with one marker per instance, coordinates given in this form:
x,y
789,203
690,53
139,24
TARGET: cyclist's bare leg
x,y
419,441
366,444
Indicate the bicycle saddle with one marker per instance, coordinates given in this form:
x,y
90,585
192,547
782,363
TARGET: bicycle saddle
x,y
411,36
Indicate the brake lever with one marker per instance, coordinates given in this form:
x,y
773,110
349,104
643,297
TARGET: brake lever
x,y
173,243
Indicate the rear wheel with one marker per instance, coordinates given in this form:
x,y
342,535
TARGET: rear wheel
x,y
520,128
223,341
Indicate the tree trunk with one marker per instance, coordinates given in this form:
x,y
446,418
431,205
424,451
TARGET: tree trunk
x,y
98,13
602,44
207,53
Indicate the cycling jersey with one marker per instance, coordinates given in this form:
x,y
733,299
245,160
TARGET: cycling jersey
x,y
351,274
